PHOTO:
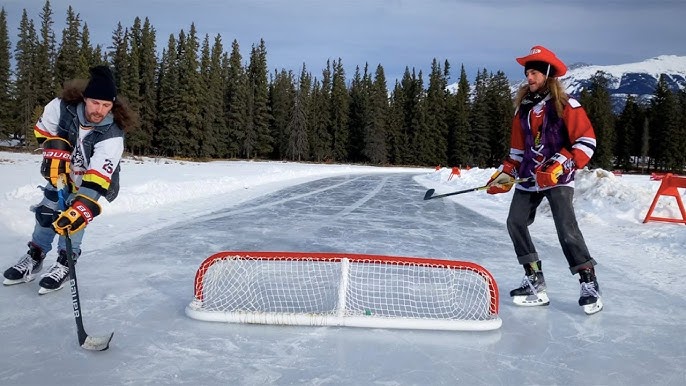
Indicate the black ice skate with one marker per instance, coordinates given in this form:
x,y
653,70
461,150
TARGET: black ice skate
x,y
590,292
54,279
26,269
532,291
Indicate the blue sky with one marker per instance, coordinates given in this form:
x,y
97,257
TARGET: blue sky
x,y
397,33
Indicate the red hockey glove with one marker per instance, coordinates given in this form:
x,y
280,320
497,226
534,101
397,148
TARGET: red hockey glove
x,y
81,212
503,179
548,173
56,159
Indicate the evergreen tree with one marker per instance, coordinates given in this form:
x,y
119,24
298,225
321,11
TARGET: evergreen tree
x,y
436,104
375,149
98,56
479,122
501,110
189,91
7,95
118,53
258,142
214,124
129,75
26,85
319,137
359,114
665,129
170,129
140,140
459,130
237,101
628,134
681,131
599,109
340,108
397,142
44,60
90,56
298,144
410,93
70,63
281,101
206,99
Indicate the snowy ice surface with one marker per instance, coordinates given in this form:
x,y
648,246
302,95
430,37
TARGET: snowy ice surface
x,y
140,256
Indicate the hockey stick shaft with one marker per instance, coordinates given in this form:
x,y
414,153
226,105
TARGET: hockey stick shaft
x,y
88,342
430,193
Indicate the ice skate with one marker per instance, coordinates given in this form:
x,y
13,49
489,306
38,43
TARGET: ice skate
x,y
26,269
55,278
590,292
532,292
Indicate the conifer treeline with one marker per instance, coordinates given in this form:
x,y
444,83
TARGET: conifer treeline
x,y
198,100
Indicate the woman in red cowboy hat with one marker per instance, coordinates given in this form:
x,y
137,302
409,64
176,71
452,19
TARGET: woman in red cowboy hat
x,y
551,138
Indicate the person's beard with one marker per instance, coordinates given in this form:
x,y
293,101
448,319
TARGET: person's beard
x,y
94,117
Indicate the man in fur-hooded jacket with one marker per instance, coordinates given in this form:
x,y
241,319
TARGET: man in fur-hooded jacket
x,y
82,137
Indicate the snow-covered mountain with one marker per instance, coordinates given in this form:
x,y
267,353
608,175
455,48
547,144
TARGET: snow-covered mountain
x,y
638,79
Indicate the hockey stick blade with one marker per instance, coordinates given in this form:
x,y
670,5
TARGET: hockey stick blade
x,y
97,343
429,193
94,343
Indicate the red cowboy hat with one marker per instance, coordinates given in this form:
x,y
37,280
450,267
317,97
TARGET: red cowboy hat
x,y
542,54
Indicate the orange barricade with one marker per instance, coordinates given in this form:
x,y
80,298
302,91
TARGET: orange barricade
x,y
669,187
455,172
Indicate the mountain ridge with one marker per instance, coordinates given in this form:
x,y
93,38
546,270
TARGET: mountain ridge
x,y
638,79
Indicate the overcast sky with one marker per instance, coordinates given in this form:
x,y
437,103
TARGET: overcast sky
x,y
396,33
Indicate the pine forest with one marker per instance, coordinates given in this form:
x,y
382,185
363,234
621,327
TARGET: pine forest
x,y
198,97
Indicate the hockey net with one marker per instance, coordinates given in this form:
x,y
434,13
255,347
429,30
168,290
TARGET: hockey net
x,y
333,289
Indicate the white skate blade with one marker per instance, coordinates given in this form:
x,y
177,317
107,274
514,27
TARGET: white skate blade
x,y
43,291
19,281
592,308
540,299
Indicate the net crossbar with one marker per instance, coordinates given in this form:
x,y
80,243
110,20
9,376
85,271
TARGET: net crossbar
x,y
354,290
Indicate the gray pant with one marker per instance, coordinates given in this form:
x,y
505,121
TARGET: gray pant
x,y
522,214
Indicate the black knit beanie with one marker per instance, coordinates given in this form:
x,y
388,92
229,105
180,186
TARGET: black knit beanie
x,y
101,84
539,66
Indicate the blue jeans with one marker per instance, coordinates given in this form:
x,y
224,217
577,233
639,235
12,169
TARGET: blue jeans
x,y
43,234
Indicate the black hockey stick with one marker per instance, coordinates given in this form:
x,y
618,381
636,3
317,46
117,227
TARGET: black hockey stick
x,y
430,193
95,343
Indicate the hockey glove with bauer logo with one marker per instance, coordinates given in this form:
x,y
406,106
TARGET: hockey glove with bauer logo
x,y
56,159
548,173
503,179
81,212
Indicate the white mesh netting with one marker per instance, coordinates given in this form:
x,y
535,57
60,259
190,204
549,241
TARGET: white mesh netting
x,y
353,290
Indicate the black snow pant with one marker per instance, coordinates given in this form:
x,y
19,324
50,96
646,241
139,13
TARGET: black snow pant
x,y
522,214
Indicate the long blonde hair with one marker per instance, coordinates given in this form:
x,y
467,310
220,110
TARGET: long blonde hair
x,y
557,94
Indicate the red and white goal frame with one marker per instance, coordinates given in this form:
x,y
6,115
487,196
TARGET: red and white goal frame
x,y
344,289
